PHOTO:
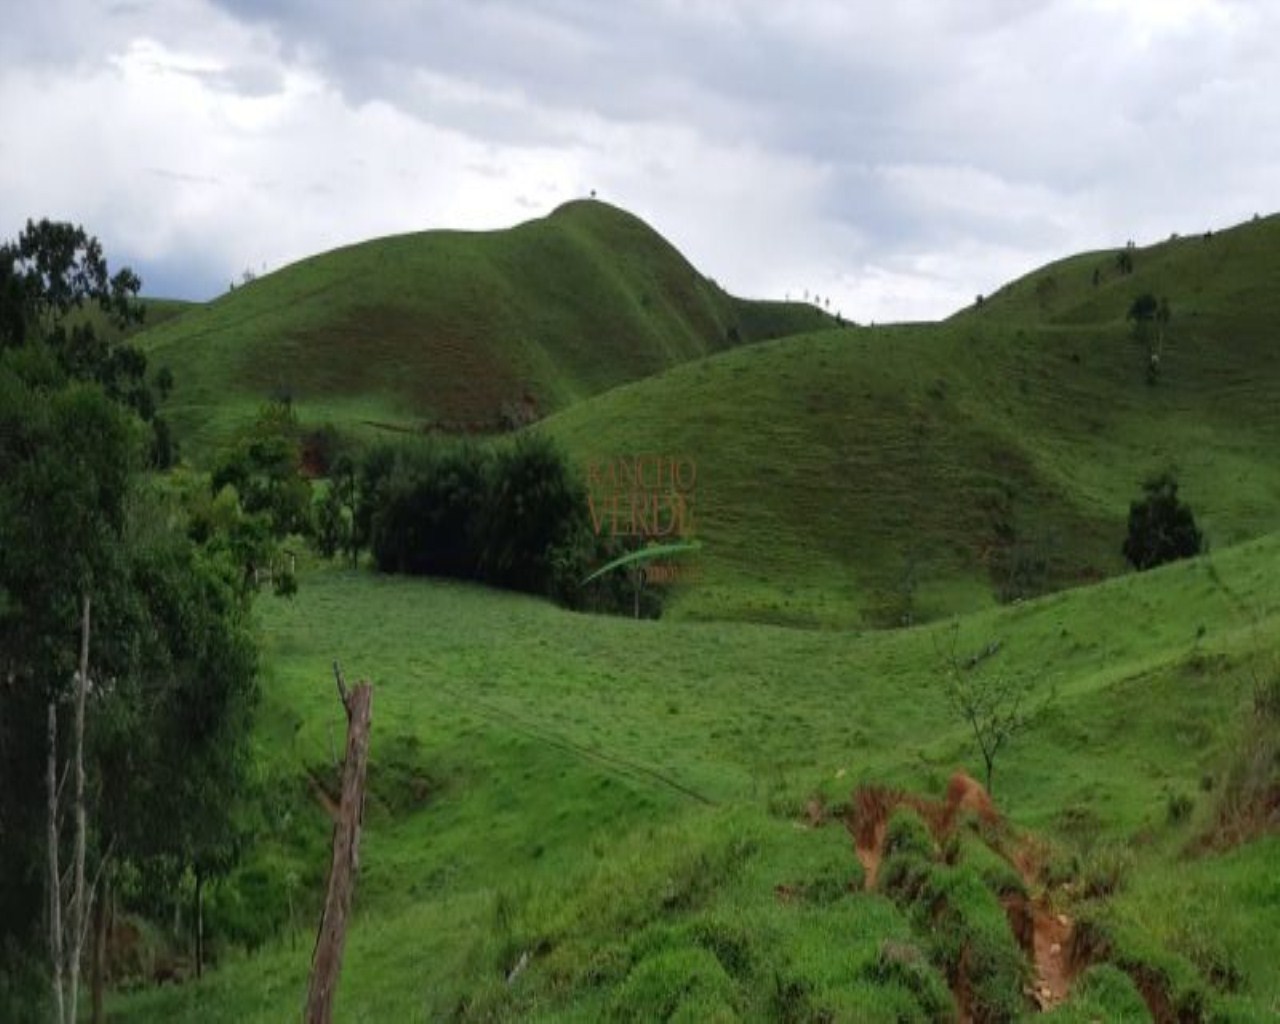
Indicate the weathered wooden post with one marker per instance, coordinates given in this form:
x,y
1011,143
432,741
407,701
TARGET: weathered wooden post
x,y
326,960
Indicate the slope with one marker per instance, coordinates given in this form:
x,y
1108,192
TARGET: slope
x,y
464,331
880,475
614,820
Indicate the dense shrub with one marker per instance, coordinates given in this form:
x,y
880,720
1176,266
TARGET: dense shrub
x,y
533,505
428,511
1161,528
513,516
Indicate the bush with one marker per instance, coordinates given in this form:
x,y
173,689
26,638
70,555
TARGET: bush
x,y
1161,528
428,513
1180,808
514,516
534,504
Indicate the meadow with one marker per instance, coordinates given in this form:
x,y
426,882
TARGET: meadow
x,y
622,800
577,817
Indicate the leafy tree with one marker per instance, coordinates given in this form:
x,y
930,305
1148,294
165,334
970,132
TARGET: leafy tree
x,y
332,528
1161,528
1143,309
265,468
48,275
337,512
126,663
431,512
534,504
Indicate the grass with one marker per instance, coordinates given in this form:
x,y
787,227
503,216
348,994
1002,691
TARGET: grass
x,y
875,476
622,800
461,330
577,818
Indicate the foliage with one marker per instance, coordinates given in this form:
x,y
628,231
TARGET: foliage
x,y
1161,528
513,516
171,660
48,275
429,512
265,468
534,504
1144,308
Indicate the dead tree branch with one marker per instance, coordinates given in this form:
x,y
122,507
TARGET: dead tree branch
x,y
326,960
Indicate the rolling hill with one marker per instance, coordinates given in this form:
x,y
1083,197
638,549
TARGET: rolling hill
x,y
465,331
575,817
876,475
652,816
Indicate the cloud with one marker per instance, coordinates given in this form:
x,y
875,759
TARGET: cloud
x,y
897,158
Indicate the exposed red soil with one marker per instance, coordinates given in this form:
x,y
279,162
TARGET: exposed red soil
x,y
1045,935
873,806
1051,955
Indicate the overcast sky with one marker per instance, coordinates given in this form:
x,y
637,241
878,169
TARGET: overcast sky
x,y
897,156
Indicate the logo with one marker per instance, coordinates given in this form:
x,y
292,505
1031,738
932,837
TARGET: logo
x,y
649,497
648,503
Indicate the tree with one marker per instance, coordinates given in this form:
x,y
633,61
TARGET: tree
x,y
1161,528
265,468
48,276
993,706
124,690
534,504
1143,309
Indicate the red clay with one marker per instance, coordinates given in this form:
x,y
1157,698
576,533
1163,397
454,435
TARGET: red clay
x,y
1044,935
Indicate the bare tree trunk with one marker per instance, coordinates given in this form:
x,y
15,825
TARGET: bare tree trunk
x,y
79,898
326,960
55,876
99,977
199,924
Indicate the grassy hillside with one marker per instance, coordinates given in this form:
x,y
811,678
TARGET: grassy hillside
x,y
462,330
631,805
840,472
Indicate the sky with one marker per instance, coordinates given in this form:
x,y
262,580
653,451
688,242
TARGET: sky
x,y
894,158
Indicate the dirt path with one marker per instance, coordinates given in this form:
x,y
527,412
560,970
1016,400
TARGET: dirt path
x,y
1051,934
870,852
1051,955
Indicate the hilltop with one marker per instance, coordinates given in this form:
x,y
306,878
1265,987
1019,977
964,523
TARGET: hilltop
x,y
464,331
883,475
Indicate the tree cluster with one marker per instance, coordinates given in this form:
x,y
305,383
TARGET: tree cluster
x,y
512,515
1161,527
56,290
127,667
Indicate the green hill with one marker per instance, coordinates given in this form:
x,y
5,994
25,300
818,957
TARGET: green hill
x,y
864,475
465,331
629,808
575,817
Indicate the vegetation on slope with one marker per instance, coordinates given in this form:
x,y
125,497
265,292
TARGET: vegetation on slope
x,y
461,330
620,803
887,474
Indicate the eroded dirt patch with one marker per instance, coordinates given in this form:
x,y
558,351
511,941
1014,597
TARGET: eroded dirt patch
x,y
1044,934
